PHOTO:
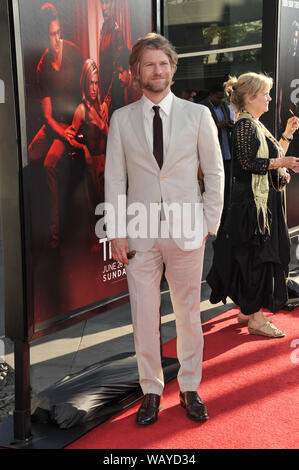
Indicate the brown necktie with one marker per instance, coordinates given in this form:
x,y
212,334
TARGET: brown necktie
x,y
158,136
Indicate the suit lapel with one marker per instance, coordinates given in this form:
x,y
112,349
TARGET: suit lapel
x,y
175,127
138,126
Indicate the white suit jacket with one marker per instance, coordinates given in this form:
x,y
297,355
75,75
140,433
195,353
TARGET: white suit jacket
x,y
132,172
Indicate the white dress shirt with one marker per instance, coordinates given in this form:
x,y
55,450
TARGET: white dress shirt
x,y
148,114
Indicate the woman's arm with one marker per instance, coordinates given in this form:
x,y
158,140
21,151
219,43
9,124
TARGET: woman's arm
x,y
246,145
73,129
286,162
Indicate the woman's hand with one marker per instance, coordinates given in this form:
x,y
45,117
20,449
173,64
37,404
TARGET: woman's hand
x,y
291,163
74,143
291,127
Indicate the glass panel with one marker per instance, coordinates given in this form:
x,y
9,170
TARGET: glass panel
x,y
205,25
201,72
198,25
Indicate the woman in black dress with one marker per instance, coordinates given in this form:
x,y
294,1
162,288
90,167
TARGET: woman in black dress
x,y
252,248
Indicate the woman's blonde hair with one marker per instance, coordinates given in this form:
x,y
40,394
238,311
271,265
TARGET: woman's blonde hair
x,y
250,83
151,41
89,67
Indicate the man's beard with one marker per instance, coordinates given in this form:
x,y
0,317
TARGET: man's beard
x,y
157,87
56,49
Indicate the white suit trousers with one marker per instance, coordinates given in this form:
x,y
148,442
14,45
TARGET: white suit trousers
x,y
183,273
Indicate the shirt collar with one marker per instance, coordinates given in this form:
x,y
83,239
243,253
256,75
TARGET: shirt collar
x,y
165,104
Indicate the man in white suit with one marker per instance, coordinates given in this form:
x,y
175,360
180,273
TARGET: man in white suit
x,y
154,148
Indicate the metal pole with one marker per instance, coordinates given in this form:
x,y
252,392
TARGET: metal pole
x,y
22,414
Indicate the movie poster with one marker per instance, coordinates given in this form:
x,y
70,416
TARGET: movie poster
x,y
288,93
75,57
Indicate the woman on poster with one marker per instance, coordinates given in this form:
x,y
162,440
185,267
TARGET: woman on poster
x,y
252,248
89,131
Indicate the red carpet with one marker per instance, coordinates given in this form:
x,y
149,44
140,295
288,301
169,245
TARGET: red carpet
x,y
250,387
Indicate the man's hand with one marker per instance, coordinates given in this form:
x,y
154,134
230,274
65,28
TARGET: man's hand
x,y
120,248
70,133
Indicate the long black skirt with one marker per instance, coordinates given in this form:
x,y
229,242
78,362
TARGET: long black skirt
x,y
249,268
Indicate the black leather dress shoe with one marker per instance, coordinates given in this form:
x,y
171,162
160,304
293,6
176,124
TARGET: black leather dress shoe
x,y
148,411
195,409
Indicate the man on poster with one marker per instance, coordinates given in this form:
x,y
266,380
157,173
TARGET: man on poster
x,y
129,92
111,41
58,79
154,148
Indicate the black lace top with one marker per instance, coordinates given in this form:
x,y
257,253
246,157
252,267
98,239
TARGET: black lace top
x,y
245,148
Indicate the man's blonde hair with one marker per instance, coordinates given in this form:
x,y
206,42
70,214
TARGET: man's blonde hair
x,y
151,41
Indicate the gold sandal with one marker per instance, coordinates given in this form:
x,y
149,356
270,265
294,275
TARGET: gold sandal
x,y
265,329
